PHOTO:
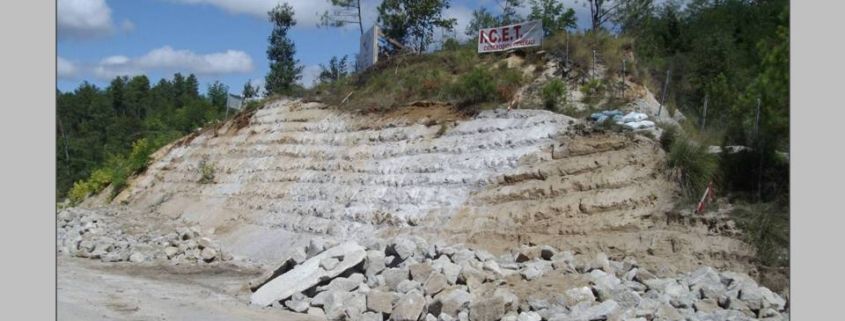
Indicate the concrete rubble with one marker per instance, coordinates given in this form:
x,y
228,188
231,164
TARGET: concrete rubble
x,y
416,285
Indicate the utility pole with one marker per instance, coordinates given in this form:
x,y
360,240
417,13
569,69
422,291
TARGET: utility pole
x,y
704,114
665,88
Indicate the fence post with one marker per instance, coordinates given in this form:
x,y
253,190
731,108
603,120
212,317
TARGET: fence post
x,y
623,78
704,116
665,88
594,64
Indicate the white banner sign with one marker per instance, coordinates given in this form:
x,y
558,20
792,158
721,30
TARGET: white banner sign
x,y
526,34
368,52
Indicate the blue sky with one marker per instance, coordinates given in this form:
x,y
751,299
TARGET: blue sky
x,y
221,40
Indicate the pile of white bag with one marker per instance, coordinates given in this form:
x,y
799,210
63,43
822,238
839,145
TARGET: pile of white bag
x,y
635,120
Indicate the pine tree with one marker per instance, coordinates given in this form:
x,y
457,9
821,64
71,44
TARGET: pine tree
x,y
284,71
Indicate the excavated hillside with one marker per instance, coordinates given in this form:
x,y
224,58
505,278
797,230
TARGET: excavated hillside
x,y
268,182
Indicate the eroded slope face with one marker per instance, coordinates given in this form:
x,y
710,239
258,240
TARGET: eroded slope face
x,y
495,180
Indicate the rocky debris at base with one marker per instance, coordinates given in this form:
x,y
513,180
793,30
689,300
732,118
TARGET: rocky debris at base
x,y
409,279
91,233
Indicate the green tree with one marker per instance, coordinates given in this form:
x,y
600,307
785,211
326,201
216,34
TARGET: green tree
x,y
337,69
412,22
249,90
553,15
284,71
346,12
218,94
481,18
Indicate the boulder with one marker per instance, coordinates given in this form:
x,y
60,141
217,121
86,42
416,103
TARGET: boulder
x,y
394,276
463,255
487,309
308,274
346,284
315,246
409,307
381,301
316,312
529,316
298,303
171,251
435,283
208,254
420,271
451,301
547,252
575,296
340,305
371,316
407,286
402,248
137,257
375,262
705,305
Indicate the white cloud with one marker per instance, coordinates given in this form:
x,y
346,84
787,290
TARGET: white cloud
x,y
84,19
306,12
172,60
65,69
309,75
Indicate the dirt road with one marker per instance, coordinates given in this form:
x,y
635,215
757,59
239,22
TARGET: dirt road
x,y
90,290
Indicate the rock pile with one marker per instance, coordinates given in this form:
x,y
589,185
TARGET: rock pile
x,y
93,234
408,279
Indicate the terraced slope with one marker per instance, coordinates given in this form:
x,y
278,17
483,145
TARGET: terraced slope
x,y
494,180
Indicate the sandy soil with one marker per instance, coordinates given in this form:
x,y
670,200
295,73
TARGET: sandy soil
x,y
90,290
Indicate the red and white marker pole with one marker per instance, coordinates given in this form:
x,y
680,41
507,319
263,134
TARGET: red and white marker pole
x,y
704,198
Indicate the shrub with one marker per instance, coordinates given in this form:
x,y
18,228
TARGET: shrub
x,y
593,90
474,87
206,172
552,92
766,227
668,137
81,189
692,166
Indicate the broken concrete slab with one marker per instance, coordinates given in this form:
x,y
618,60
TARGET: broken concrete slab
x,y
308,274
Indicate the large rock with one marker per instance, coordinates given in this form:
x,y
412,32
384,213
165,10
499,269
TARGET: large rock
x,y
529,316
394,276
344,305
308,274
436,282
487,309
420,271
381,301
402,247
409,307
451,301
344,284
375,262
575,296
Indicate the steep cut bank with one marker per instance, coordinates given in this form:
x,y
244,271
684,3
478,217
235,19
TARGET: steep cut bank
x,y
294,171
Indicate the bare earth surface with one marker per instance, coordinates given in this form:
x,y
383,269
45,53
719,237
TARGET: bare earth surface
x,y
91,290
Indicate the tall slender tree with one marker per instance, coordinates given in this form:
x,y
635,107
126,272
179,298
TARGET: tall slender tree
x,y
284,71
345,12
